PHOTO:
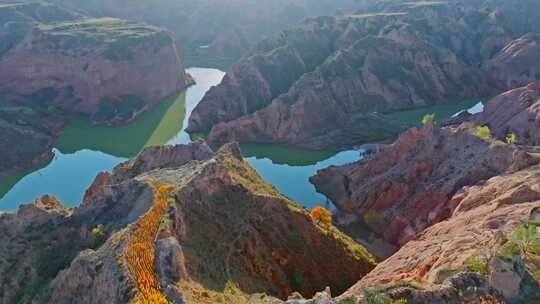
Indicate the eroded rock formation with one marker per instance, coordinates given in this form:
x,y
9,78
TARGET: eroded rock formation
x,y
57,64
514,112
476,233
408,186
223,233
324,83
516,64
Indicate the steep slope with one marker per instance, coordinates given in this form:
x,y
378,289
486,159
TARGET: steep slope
x,y
408,186
514,112
480,236
516,64
323,83
37,242
57,63
373,75
209,228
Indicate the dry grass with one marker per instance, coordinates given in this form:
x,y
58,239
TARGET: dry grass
x,y
140,255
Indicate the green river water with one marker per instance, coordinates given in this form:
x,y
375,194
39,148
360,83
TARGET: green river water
x,y
83,150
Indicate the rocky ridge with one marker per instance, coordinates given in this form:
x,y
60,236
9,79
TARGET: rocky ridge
x,y
330,97
456,204
223,29
476,237
408,186
516,64
223,234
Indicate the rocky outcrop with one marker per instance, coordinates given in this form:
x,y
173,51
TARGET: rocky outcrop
x,y
109,68
408,186
57,64
37,241
473,238
464,287
161,157
514,112
23,147
382,75
397,57
222,233
516,64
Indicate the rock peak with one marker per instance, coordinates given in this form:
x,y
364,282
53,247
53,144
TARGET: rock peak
x,y
48,203
232,149
163,157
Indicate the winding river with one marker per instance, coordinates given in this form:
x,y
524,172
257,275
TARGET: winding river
x,y
83,150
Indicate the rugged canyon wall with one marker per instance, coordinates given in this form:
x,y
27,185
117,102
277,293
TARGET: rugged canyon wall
x,y
83,65
325,82
479,237
514,112
517,63
408,186
456,203
57,64
220,232
213,231
226,29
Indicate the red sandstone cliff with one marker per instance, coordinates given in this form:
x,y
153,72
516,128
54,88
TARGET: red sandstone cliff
x,y
56,64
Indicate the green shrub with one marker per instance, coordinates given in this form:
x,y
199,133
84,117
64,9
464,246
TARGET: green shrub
x,y
527,239
197,138
297,281
523,241
99,265
23,110
98,236
51,109
477,265
428,119
511,139
483,132
373,297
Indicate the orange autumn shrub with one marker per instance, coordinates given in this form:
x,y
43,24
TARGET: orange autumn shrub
x,y
140,255
320,215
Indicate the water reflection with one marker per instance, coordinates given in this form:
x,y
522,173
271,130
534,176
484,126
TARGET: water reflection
x,y
83,150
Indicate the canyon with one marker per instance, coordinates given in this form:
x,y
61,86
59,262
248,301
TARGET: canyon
x,y
448,200
440,209
326,82
222,30
224,233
